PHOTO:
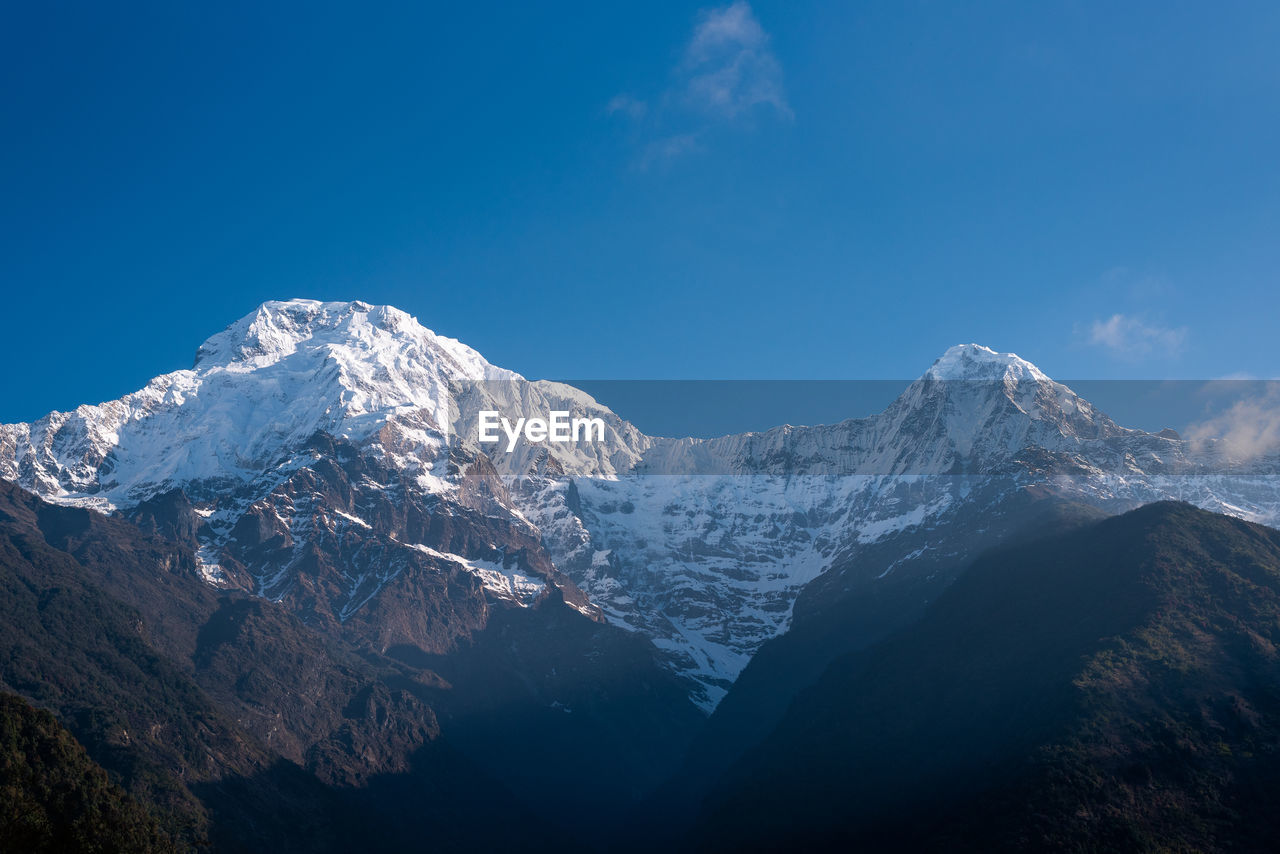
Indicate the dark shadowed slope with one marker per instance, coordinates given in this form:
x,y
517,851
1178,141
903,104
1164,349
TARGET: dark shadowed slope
x,y
238,723
110,671
54,798
1112,688
848,609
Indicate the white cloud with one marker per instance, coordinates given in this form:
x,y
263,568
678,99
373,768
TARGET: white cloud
x,y
729,68
733,26
727,73
1248,430
1131,337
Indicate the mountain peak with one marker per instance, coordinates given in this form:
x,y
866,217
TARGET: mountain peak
x,y
277,328
976,362
259,390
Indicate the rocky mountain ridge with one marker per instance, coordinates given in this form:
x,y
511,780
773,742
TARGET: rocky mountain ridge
x,y
323,455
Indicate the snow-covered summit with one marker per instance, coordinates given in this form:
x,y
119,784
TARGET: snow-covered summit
x,y
258,390
264,386
974,362
279,328
973,408
978,407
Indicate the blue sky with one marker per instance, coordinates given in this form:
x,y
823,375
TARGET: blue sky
x,y
645,190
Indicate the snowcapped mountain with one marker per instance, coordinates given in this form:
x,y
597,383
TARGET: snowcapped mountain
x,y
263,387
325,455
295,424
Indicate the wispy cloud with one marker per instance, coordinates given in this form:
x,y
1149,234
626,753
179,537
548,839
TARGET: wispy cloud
x,y
729,67
727,74
627,105
1132,337
1248,430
